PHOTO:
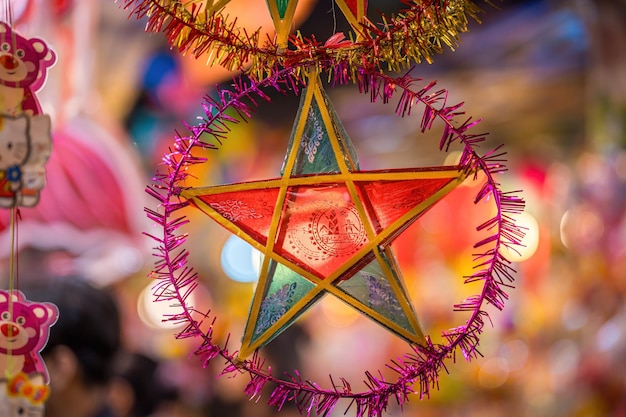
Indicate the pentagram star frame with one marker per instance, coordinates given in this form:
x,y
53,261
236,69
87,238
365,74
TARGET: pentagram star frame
x,y
283,219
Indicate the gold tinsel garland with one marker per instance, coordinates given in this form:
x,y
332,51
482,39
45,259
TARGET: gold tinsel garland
x,y
424,29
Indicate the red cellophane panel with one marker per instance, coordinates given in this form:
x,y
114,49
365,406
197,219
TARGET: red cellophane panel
x,y
321,228
353,5
250,210
387,201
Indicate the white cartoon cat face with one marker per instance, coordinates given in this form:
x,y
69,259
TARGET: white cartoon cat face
x,y
13,142
21,407
18,405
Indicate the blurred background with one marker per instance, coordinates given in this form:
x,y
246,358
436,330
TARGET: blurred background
x,y
547,76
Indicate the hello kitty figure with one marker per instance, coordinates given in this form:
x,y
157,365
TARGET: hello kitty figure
x,y
25,138
24,328
25,145
23,396
23,69
33,169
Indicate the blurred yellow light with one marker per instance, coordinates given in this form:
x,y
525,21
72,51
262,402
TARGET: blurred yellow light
x,y
581,227
452,158
493,373
530,242
155,313
338,313
516,353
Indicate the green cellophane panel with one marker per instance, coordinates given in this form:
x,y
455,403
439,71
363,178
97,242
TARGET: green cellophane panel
x,y
283,289
281,5
315,152
373,289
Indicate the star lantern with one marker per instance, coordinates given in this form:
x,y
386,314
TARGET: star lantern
x,y
325,226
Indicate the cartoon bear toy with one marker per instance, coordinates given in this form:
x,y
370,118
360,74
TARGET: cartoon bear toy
x,y
23,69
25,137
24,328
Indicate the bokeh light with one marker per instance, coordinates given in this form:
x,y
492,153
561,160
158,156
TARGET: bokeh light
x,y
493,373
240,261
155,313
581,227
529,243
337,312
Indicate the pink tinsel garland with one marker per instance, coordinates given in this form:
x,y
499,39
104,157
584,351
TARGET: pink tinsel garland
x,y
417,370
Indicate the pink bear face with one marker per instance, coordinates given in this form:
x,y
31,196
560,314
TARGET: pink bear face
x,y
23,62
19,329
24,325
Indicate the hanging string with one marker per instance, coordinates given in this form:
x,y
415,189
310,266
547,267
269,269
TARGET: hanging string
x,y
14,213
8,18
332,10
6,12
12,282
15,217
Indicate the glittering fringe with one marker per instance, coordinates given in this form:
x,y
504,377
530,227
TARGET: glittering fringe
x,y
416,34
418,370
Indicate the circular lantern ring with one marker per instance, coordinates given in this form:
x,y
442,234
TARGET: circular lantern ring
x,y
417,372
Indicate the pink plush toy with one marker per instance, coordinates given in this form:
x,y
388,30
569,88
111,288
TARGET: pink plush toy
x,y
24,328
23,69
